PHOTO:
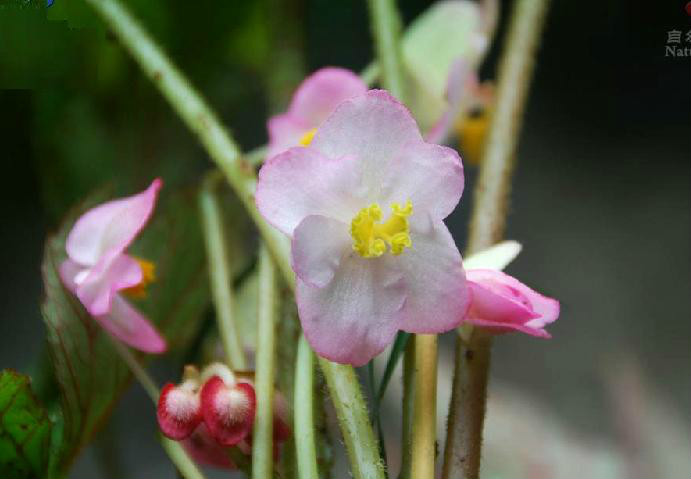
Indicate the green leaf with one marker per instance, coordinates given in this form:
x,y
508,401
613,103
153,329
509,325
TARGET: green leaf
x,y
25,429
90,374
394,356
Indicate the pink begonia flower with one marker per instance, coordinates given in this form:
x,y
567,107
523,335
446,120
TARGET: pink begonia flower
x,y
315,99
97,269
364,204
501,303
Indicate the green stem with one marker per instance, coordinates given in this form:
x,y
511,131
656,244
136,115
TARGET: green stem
x,y
177,454
407,408
137,370
184,464
351,411
468,399
262,436
197,115
424,407
304,412
386,29
219,273
223,151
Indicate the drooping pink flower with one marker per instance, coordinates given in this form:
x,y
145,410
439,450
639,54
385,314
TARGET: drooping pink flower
x,y
501,303
364,205
98,269
315,99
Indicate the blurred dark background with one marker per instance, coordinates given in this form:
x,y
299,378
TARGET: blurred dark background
x,y
600,198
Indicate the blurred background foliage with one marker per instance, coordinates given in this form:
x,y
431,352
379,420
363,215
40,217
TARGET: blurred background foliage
x,y
600,201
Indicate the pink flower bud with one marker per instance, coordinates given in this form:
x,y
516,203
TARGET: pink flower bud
x,y
228,410
179,409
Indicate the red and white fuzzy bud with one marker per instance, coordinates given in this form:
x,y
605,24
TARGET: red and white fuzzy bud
x,y
179,407
228,409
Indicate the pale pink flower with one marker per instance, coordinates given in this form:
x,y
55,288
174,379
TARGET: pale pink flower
x,y
364,205
98,269
314,100
501,303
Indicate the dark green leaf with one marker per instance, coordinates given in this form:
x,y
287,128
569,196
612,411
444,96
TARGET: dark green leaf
x,y
396,351
24,429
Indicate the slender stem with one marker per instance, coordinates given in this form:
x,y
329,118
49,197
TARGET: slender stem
x,y
262,436
185,465
304,412
215,139
177,454
351,411
424,407
196,114
467,408
407,408
386,29
137,370
219,273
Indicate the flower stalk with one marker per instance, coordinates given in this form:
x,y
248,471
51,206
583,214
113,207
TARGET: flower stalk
x,y
262,436
304,412
467,408
386,29
424,407
219,272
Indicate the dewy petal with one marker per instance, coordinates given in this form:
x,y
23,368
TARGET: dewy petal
x,y
319,244
320,93
110,227
437,296
302,182
356,315
128,325
374,128
431,176
110,275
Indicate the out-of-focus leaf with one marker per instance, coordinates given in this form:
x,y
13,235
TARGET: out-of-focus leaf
x,y
495,257
90,374
24,429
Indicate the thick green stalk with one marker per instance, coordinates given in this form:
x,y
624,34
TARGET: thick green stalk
x,y
407,408
262,436
467,408
194,112
185,465
424,429
219,272
351,411
386,29
303,405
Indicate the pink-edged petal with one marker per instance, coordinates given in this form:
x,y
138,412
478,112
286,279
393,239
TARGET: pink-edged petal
x,y
285,131
503,302
302,182
373,128
96,288
437,296
501,328
320,93
356,315
110,227
319,243
431,176
131,327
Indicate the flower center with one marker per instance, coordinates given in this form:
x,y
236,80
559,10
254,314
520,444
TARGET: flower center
x,y
148,276
370,237
307,137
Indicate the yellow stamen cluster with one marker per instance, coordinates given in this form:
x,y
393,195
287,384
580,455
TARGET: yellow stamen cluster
x,y
370,237
148,276
307,137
